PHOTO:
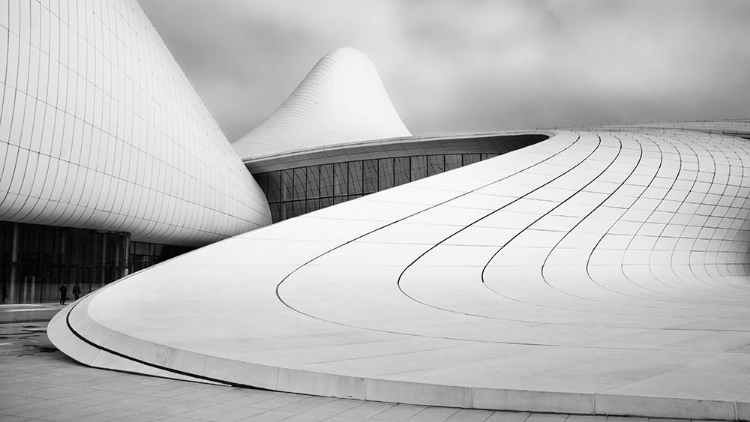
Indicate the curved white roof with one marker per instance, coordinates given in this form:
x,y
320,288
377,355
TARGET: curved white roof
x,y
341,100
594,272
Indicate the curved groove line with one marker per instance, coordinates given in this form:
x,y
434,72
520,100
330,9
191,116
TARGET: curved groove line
x,y
542,268
612,194
656,208
689,265
278,295
596,245
712,215
577,224
398,282
480,219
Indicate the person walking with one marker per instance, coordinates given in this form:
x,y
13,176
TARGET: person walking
x,y
63,293
4,292
77,291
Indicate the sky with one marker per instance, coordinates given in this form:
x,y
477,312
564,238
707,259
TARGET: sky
x,y
457,66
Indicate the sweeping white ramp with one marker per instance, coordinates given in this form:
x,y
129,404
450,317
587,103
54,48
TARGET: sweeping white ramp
x,y
592,273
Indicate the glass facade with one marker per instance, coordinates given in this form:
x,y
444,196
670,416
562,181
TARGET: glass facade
x,y
144,255
36,260
297,191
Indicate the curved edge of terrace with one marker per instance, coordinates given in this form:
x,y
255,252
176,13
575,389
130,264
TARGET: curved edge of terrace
x,y
591,273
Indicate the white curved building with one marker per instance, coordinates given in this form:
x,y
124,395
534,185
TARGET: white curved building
x,y
100,130
600,272
591,272
341,100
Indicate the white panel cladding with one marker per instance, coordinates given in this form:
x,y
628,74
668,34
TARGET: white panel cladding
x,y
100,128
341,100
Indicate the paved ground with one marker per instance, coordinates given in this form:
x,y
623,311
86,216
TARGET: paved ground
x,y
38,383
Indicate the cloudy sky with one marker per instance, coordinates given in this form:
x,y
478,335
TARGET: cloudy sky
x,y
469,66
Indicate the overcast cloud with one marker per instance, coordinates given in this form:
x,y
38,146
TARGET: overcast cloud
x,y
473,66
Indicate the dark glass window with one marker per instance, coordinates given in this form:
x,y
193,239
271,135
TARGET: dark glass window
x,y
418,167
339,179
286,210
385,173
262,180
471,159
274,186
142,248
326,180
306,189
355,177
299,183
313,205
298,208
313,182
402,170
435,164
370,176
452,161
287,184
49,256
275,212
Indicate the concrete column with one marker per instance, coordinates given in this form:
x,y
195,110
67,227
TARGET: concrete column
x,y
126,256
13,285
118,253
104,259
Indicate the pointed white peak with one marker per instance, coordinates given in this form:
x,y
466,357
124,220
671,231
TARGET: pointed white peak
x,y
341,100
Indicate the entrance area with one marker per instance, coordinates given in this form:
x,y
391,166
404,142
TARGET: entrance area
x,y
35,260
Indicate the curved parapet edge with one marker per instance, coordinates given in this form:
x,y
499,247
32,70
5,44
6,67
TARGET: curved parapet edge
x,y
161,361
74,345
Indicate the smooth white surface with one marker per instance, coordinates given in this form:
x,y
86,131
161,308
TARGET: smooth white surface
x,y
99,128
594,267
341,100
